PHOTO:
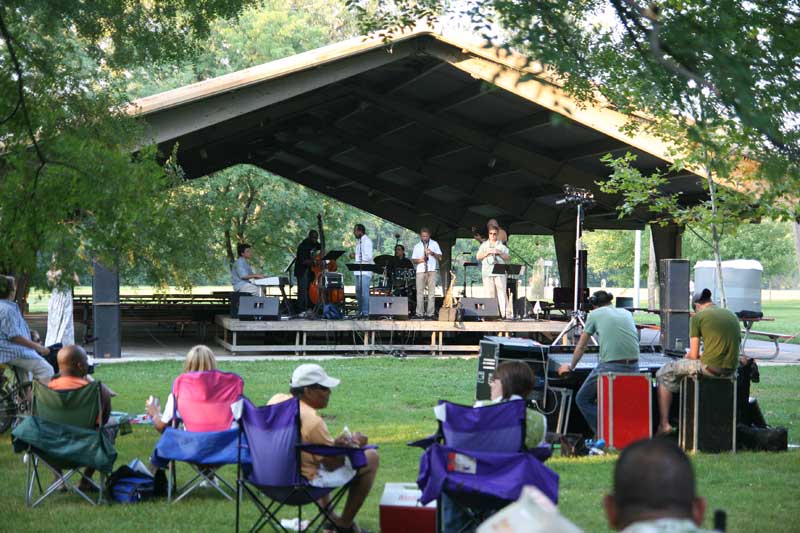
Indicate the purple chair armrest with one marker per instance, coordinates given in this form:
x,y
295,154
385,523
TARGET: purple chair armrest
x,y
356,455
542,453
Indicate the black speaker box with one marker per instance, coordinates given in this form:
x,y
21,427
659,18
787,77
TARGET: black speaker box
x,y
674,285
395,307
259,308
707,420
480,309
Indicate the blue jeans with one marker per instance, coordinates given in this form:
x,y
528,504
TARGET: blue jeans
x,y
362,293
586,399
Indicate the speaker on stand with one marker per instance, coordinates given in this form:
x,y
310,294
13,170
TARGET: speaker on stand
x,y
674,297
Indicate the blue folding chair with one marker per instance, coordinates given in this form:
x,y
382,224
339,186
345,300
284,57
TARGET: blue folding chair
x,y
273,479
477,463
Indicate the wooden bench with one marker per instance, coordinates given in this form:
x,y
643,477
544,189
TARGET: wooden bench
x,y
170,309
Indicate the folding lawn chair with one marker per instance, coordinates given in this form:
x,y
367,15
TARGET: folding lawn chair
x,y
273,479
478,462
63,434
206,441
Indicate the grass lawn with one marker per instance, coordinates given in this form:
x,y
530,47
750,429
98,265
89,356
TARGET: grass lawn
x,y
391,401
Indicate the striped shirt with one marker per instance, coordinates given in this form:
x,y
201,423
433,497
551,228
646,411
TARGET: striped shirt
x,y
13,325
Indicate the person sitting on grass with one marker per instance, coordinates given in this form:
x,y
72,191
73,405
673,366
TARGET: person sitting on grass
x,y
312,386
73,368
654,490
199,359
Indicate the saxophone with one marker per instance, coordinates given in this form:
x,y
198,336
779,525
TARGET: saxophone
x,y
448,296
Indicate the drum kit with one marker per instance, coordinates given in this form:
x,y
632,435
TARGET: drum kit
x,y
396,279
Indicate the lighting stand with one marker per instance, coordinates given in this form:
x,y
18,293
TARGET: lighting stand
x,y
580,198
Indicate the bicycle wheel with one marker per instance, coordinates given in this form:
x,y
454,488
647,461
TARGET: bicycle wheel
x,y
8,404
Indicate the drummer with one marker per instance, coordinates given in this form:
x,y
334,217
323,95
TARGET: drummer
x,y
400,259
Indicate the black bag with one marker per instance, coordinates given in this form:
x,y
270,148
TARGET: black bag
x,y
767,439
573,445
126,485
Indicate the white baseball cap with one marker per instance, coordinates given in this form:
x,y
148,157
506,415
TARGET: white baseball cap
x,y
310,374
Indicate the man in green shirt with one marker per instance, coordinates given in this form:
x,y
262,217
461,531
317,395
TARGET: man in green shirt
x,y
619,350
721,334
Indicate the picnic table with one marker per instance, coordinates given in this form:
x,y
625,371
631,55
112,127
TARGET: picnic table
x,y
748,330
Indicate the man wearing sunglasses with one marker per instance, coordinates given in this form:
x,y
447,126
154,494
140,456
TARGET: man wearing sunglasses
x,y
312,386
493,252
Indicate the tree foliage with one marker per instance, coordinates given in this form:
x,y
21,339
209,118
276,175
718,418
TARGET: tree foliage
x,y
71,188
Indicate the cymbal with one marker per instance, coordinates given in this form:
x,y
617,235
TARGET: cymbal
x,y
384,260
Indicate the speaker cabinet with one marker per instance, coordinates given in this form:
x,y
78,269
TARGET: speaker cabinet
x,y
674,300
259,308
106,312
395,307
480,309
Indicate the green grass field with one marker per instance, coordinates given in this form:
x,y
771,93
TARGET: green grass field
x,y
391,400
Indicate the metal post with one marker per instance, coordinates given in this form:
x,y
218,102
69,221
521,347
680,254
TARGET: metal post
x,y
637,260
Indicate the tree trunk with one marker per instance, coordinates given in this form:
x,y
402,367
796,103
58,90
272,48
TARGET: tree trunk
x,y
652,276
797,243
715,236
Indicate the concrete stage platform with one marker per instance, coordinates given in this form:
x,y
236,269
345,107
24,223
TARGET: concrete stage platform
x,y
369,336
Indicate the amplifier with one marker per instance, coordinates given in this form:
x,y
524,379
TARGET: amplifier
x,y
707,420
480,309
674,300
395,307
333,280
259,308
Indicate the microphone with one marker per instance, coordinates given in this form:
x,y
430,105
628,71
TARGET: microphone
x,y
397,236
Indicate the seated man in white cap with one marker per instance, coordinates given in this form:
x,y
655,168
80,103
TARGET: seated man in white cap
x,y
312,386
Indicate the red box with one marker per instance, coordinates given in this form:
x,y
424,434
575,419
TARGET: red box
x,y
624,408
401,512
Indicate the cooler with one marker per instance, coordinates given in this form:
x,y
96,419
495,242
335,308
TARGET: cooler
x,y
624,408
401,512
707,420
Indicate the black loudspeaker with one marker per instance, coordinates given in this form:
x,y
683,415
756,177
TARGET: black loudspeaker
x,y
106,312
583,258
395,307
259,308
674,285
480,309
235,304
674,300
707,421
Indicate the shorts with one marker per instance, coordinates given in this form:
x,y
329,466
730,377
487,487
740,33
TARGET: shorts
x,y
671,374
334,478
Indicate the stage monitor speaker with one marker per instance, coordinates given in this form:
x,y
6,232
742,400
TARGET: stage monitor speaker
x,y
395,307
259,308
480,309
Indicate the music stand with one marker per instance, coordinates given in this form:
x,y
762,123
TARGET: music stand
x,y
508,270
333,255
364,267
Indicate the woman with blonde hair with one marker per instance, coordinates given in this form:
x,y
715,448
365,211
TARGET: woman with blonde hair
x,y
199,359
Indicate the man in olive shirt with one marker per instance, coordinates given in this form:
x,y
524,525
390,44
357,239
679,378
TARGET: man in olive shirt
x,y
721,334
619,350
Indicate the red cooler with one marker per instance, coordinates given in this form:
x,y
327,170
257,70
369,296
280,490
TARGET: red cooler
x,y
624,408
401,512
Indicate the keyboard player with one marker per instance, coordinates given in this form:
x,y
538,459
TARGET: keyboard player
x,y
615,331
242,275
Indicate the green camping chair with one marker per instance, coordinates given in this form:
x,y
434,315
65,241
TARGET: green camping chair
x,y
63,435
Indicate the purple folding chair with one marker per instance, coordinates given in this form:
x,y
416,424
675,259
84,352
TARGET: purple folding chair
x,y
272,479
478,463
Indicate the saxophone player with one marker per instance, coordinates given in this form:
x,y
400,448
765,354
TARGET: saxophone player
x,y
426,257
490,253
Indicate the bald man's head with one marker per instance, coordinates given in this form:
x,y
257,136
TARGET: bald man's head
x,y
72,361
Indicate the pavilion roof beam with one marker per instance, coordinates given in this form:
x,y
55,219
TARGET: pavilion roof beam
x,y
535,163
516,202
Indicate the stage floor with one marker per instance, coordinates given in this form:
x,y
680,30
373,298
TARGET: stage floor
x,y
368,336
